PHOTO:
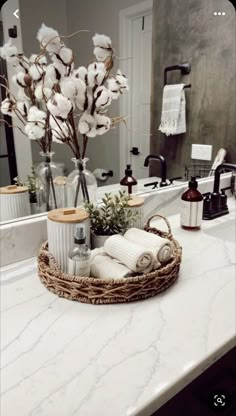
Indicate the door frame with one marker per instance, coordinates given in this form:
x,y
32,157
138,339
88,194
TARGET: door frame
x,y
126,16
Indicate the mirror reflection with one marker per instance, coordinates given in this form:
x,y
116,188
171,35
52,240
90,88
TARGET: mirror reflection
x,y
128,97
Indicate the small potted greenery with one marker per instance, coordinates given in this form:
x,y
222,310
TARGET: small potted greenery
x,y
113,217
32,186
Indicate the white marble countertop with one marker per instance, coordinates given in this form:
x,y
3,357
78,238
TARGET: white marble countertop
x,y
63,358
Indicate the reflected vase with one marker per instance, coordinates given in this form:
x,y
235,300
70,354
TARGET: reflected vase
x,y
81,185
47,172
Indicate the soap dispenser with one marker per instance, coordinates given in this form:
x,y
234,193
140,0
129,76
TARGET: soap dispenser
x,y
191,207
129,183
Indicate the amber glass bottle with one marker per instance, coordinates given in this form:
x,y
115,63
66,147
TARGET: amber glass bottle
x,y
191,207
129,183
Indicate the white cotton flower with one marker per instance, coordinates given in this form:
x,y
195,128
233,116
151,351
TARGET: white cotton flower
x,y
95,76
52,73
102,97
113,87
87,125
101,54
68,87
8,51
34,131
36,72
36,115
97,66
49,39
81,73
23,107
102,40
38,59
7,107
59,106
62,69
103,124
41,92
122,80
66,55
60,129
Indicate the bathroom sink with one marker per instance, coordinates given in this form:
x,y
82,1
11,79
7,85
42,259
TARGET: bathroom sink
x,y
225,231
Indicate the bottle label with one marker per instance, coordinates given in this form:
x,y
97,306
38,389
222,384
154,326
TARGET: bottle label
x,y
191,213
79,267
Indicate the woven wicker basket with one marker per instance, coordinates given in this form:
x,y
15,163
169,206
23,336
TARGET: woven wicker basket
x,y
104,291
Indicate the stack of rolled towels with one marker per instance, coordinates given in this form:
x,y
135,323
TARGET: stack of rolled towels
x,y
136,252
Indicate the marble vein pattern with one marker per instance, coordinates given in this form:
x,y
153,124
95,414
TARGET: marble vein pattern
x,y
63,358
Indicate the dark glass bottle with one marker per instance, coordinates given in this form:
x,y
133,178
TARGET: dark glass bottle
x,y
191,207
129,183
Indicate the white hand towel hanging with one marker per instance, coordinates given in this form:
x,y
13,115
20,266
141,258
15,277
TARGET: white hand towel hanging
x,y
173,116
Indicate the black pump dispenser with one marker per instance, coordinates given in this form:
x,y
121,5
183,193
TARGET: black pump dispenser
x,y
128,170
193,183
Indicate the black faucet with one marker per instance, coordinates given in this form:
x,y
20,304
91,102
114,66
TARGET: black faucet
x,y
215,203
163,167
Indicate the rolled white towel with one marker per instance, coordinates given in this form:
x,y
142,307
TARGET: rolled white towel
x,y
161,248
104,267
131,255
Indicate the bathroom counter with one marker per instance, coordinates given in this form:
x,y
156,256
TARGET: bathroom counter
x,y
63,358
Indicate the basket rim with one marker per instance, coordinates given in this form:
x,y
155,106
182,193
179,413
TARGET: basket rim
x,y
66,277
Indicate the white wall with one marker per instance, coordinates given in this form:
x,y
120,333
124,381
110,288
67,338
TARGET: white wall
x,y
22,144
100,16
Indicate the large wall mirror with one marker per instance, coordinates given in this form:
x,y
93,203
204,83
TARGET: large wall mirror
x,y
147,37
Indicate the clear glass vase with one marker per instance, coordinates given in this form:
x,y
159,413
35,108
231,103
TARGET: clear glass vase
x,y
48,197
81,185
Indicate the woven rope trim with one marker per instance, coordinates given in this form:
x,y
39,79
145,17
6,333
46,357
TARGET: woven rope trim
x,y
104,291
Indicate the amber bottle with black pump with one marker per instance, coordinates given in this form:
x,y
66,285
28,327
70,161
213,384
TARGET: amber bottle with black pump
x,y
129,183
191,207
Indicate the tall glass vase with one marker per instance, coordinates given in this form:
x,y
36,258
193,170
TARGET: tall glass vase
x,y
46,173
81,185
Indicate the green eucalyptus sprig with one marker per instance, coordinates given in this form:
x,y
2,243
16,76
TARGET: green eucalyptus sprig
x,y
114,216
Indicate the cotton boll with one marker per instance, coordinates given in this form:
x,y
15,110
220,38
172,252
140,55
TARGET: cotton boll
x,y
68,88
36,115
122,80
36,72
59,106
41,92
60,130
102,97
50,73
79,85
87,124
92,132
23,107
113,88
8,51
101,54
97,66
38,59
7,107
101,40
91,78
66,55
81,73
49,38
34,131
103,124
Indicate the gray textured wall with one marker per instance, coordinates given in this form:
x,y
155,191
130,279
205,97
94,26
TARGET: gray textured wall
x,y
187,30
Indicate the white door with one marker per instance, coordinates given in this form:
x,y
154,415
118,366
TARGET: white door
x,y
141,93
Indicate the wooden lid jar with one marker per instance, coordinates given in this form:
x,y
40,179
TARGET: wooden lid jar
x,y
136,203
61,225
14,201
